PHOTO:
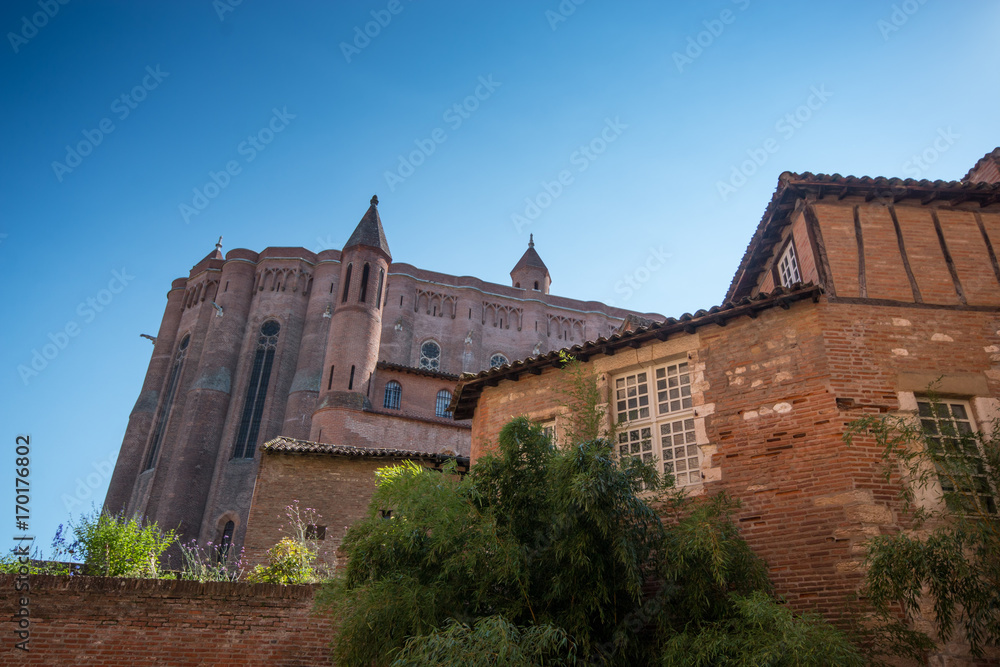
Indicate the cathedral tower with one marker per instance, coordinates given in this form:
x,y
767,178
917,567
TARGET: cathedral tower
x,y
530,272
355,329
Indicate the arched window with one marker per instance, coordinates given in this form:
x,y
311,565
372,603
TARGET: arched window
x,y
226,541
381,280
498,360
430,355
253,403
347,283
443,401
393,394
168,403
364,284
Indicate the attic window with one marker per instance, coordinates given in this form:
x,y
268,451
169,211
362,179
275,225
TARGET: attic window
x,y
788,266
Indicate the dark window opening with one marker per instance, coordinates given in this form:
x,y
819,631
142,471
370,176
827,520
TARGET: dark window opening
x,y
350,382
329,384
400,300
378,296
364,284
536,284
331,288
314,532
347,283
253,403
168,402
227,287
225,542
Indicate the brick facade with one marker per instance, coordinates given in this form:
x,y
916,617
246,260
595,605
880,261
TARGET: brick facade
x,y
903,290
126,622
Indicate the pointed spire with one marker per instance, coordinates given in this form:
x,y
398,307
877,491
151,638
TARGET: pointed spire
x,y
530,257
369,231
218,245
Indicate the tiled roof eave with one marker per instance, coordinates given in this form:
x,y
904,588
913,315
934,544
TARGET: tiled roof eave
x,y
283,445
471,386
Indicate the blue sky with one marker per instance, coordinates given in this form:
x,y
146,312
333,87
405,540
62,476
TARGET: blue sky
x,y
616,133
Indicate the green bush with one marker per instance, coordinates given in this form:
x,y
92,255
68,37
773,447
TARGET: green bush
x,y
288,562
116,546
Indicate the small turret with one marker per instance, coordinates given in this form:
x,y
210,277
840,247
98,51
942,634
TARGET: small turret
x,y
355,327
530,272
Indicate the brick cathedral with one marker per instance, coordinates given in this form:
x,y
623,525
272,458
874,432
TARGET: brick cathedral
x,y
345,357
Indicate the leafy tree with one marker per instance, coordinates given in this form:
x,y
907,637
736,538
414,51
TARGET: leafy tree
x,y
543,555
951,557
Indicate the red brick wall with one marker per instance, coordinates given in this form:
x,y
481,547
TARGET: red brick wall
x,y
777,394
128,622
337,487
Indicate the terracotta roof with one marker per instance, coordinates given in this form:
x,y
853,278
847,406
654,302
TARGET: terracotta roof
x,y
993,155
530,258
412,370
283,445
792,187
369,231
470,386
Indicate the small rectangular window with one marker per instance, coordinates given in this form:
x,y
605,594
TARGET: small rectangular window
x,y
788,266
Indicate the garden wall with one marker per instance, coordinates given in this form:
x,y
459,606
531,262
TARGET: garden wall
x,y
109,621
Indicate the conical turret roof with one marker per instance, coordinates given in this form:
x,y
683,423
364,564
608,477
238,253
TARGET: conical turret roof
x,y
530,258
369,231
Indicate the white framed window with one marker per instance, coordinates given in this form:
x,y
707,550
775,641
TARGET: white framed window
x,y
430,355
498,360
948,425
549,429
661,427
788,266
